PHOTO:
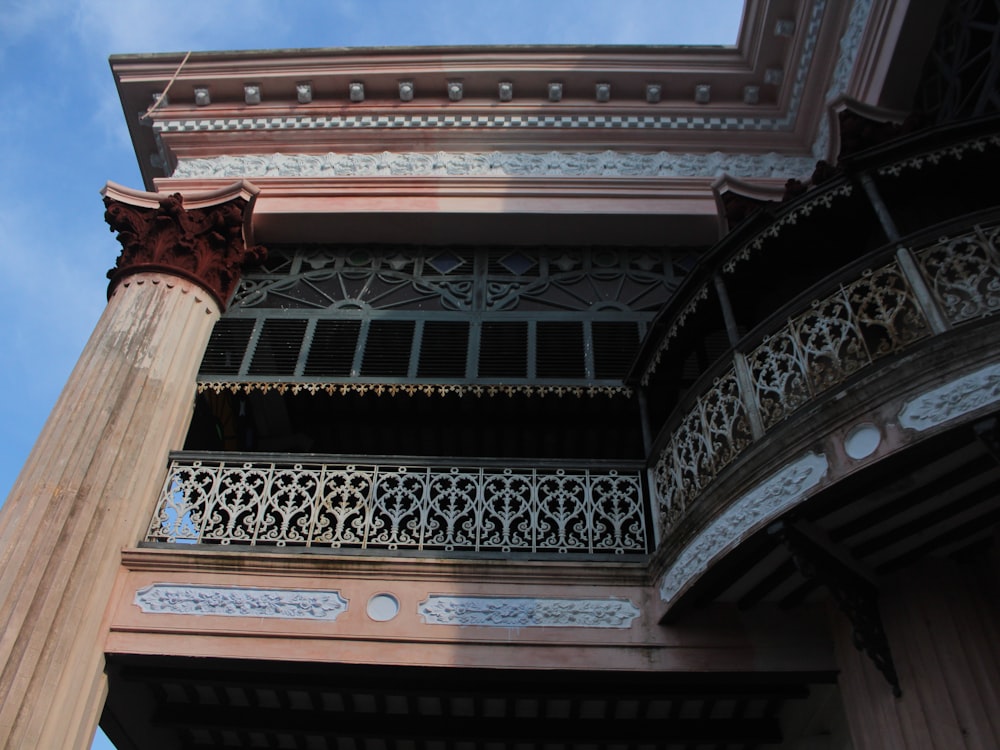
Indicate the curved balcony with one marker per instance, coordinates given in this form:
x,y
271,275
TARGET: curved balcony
x,y
820,341
758,370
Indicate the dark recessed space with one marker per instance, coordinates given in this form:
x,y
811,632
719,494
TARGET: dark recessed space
x,y
456,425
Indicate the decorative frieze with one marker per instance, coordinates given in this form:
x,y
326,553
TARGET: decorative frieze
x,y
850,42
954,399
478,390
231,601
496,164
767,501
511,612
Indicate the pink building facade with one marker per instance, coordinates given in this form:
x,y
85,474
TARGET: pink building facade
x,y
534,397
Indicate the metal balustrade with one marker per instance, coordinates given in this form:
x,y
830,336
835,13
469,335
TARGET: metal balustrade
x,y
816,345
259,500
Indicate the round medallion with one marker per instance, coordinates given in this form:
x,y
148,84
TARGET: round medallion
x,y
383,607
862,440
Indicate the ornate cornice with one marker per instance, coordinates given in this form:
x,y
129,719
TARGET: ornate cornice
x,y
531,164
495,164
202,237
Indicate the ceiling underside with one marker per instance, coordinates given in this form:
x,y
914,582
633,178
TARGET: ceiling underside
x,y
163,702
940,498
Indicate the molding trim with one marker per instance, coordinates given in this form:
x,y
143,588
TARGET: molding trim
x,y
765,502
513,121
285,604
850,44
496,164
954,399
508,612
606,164
344,387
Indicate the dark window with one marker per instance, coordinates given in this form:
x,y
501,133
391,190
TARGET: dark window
x,y
503,350
443,348
559,351
278,348
387,349
228,342
615,345
332,351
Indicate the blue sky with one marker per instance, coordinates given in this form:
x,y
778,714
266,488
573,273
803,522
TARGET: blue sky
x,y
63,135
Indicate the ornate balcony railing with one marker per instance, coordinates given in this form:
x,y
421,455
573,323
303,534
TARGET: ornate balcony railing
x,y
269,500
819,342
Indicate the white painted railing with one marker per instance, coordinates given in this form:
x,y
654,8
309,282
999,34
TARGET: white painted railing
x,y
820,345
276,501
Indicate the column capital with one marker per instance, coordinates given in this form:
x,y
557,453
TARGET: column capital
x,y
204,237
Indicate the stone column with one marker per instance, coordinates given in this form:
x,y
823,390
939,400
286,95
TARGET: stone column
x,y
90,483
942,620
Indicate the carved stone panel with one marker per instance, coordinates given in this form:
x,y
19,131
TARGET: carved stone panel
x,y
510,612
162,598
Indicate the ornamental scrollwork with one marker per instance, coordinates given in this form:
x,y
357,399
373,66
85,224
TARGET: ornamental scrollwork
x,y
709,437
953,399
782,490
325,505
205,244
963,273
462,279
162,598
510,612
493,164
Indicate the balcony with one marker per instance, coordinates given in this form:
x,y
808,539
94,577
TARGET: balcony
x,y
365,503
796,338
810,370
827,336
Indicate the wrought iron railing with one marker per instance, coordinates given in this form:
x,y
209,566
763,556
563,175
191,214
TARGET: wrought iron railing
x,y
329,504
820,342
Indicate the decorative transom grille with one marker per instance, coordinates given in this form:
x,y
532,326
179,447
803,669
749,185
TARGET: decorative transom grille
x,y
438,315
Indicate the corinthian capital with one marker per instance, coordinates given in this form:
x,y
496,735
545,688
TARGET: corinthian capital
x,y
203,237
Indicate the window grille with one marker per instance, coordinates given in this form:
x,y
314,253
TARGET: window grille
x,y
441,315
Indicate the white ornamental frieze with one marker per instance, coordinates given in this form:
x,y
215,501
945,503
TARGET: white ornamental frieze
x,y
495,164
510,612
765,502
286,604
953,399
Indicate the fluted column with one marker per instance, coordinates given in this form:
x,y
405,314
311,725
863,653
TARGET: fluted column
x,y
92,478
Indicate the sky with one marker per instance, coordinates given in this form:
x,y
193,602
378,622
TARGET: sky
x,y
63,134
